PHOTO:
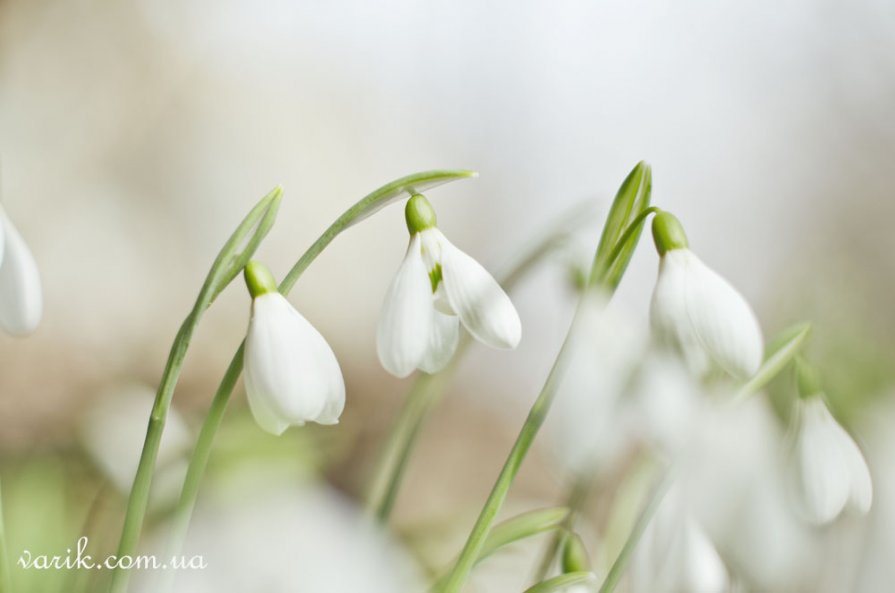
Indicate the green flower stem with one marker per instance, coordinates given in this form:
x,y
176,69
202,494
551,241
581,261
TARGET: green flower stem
x,y
427,389
362,209
621,562
631,193
226,266
563,582
5,576
536,416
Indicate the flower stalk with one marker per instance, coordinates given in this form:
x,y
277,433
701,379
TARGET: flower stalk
x,y
635,190
362,209
227,265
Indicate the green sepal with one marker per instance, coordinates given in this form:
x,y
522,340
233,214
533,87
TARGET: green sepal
x,y
419,214
807,378
574,554
259,279
668,233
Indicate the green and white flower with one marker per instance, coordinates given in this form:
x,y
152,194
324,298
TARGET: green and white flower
x,y
21,299
699,312
830,468
437,287
291,374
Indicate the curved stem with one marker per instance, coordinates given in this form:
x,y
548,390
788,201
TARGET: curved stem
x,y
538,412
536,416
226,266
621,562
362,209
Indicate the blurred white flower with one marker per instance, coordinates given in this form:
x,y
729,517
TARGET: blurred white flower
x,y
436,288
291,373
587,422
830,469
676,555
21,299
700,313
113,431
734,478
259,532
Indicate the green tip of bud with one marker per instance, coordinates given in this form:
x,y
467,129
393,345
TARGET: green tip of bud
x,y
419,214
668,233
259,280
574,555
807,378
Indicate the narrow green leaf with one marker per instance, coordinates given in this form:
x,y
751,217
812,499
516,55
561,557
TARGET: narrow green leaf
x,y
522,527
779,352
632,198
369,205
563,581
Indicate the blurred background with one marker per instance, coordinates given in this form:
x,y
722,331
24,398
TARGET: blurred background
x,y
134,136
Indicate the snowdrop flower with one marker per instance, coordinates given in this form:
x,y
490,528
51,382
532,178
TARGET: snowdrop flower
x,y
21,301
698,312
112,433
291,373
675,553
263,532
830,469
436,288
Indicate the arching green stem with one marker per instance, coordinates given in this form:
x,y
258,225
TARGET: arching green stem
x,y
230,260
365,207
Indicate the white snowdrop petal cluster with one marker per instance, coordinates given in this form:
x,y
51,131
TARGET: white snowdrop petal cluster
x,y
705,317
831,471
113,430
21,299
675,553
419,327
291,374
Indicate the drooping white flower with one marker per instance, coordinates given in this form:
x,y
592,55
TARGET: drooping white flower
x,y
698,312
291,374
831,471
437,287
21,300
112,432
675,554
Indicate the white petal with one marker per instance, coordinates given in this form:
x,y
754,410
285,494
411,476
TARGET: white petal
x,y
723,320
695,302
292,375
823,470
484,308
669,317
21,299
701,568
402,337
860,496
442,342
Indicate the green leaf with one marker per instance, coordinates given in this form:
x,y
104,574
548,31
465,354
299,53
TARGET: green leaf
x,y
564,581
230,260
369,205
616,245
779,352
522,527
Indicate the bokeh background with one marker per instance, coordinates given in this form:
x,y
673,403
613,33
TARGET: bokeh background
x,y
134,136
